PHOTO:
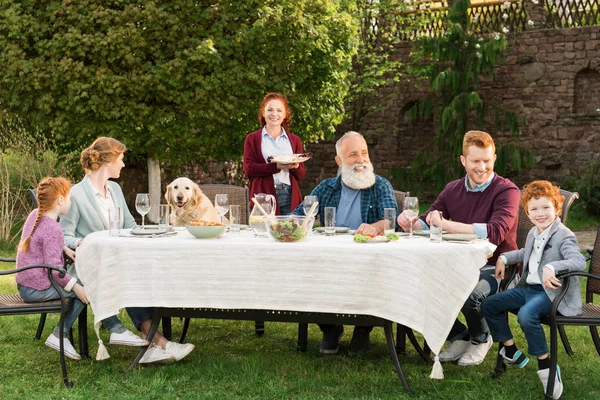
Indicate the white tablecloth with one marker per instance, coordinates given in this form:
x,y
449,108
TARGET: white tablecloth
x,y
414,282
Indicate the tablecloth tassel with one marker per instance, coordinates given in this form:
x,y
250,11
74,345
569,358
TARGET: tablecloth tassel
x,y
437,372
102,353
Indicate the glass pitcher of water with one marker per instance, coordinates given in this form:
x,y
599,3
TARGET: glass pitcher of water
x,y
257,218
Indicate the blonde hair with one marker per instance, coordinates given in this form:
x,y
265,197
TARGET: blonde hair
x,y
103,151
479,139
48,191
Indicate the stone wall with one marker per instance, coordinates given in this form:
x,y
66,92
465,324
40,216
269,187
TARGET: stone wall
x,y
550,77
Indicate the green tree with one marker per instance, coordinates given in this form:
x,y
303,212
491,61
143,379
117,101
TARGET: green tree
x,y
454,64
176,80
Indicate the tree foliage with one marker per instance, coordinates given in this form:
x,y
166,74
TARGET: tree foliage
x,y
176,80
454,64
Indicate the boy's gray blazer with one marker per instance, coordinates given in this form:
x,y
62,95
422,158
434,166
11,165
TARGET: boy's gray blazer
x,y
562,252
84,217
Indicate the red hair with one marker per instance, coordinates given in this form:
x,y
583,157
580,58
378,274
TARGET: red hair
x,y
537,189
103,151
477,138
287,121
47,193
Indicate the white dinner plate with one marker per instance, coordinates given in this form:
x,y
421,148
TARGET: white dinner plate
x,y
148,231
459,237
338,229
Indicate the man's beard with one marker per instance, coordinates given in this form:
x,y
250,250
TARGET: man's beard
x,y
358,180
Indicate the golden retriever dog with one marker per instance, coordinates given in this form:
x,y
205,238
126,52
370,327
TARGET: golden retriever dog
x,y
187,202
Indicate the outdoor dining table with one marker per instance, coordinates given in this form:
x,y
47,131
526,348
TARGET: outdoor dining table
x,y
416,283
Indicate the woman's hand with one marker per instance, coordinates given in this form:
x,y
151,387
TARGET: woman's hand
x,y
549,279
80,292
69,253
287,166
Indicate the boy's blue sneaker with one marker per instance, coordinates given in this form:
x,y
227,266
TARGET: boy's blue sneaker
x,y
519,360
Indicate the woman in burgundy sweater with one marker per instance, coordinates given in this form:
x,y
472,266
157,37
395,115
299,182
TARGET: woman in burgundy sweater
x,y
274,139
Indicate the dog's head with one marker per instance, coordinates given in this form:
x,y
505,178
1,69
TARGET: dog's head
x,y
183,192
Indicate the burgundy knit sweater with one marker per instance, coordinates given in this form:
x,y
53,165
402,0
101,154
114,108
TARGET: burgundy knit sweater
x,y
497,206
45,247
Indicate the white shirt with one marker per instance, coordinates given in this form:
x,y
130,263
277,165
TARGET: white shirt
x,y
541,239
103,202
277,147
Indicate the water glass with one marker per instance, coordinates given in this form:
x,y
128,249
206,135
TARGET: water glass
x,y
115,221
389,216
329,221
435,231
164,213
234,216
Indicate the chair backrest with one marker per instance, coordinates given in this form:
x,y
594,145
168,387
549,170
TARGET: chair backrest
x,y
525,225
236,194
31,193
593,285
400,196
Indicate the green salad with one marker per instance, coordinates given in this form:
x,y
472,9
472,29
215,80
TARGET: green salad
x,y
287,231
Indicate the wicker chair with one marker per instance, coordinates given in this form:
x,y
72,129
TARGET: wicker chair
x,y
400,196
13,304
238,195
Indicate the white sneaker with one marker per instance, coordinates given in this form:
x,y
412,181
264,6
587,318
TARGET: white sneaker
x,y
476,353
456,349
178,350
127,338
544,374
53,343
155,354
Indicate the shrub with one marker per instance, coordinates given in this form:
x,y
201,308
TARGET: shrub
x,y
587,185
25,158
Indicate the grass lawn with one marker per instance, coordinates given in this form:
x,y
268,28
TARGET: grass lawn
x,y
231,362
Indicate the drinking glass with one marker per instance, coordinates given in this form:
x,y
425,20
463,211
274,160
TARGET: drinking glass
x,y
435,231
235,215
164,213
221,205
142,205
389,216
115,221
329,221
411,207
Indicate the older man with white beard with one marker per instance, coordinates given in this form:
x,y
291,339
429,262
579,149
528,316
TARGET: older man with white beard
x,y
360,197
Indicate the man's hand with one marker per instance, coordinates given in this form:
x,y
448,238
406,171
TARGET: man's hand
x,y
550,280
404,220
367,229
80,292
500,267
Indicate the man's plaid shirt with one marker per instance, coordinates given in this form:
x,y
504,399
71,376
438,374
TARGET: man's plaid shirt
x,y
372,200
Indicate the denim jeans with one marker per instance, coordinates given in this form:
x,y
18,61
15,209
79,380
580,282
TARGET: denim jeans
x,y
31,295
476,329
532,302
284,198
137,315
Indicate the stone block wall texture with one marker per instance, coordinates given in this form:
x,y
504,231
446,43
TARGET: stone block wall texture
x,y
550,77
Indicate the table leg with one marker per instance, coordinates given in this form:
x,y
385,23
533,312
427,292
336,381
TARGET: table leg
x,y
400,339
151,332
83,333
302,337
389,336
166,325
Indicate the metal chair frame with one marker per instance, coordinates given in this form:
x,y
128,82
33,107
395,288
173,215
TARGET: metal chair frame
x,y
13,304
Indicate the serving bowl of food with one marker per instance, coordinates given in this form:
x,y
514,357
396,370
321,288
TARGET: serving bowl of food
x,y
204,229
289,228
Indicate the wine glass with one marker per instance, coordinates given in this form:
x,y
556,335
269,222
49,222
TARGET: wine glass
x,y
411,207
221,205
142,205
